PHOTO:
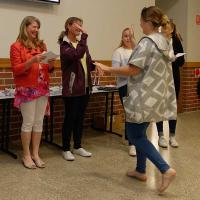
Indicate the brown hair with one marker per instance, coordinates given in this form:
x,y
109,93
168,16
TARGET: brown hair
x,y
154,15
175,33
23,35
69,21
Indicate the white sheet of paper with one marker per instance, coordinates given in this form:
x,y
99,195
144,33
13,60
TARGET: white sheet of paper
x,y
49,55
180,54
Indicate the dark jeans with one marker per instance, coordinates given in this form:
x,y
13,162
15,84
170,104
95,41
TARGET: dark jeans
x,y
144,148
172,123
73,120
123,93
172,127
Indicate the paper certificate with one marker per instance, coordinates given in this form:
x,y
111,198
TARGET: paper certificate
x,y
179,54
49,55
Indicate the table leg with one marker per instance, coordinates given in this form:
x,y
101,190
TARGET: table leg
x,y
3,123
6,128
106,113
51,119
48,139
111,110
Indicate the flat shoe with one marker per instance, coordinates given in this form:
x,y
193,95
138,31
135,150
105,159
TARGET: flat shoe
x,y
28,166
39,163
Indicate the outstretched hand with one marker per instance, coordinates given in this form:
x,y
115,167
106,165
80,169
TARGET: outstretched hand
x,y
101,68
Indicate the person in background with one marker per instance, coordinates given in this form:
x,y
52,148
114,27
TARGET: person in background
x,y
76,65
120,58
31,78
176,64
148,67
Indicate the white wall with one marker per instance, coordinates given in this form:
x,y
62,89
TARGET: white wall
x,y
176,10
193,33
103,19
184,13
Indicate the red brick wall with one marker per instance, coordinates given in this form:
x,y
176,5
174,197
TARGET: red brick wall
x,y
95,107
6,78
189,100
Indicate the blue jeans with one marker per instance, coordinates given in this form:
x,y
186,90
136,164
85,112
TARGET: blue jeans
x,y
136,134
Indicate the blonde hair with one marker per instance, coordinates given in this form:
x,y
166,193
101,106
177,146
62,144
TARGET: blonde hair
x,y
166,26
69,21
23,35
165,20
121,42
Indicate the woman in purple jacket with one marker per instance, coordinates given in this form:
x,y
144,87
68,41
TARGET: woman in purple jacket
x,y
76,64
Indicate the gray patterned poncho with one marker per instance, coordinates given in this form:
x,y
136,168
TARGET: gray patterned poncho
x,y
151,94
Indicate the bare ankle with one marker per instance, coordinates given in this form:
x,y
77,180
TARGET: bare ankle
x,y
139,176
167,178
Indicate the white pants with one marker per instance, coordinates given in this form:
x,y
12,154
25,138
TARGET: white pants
x,y
33,114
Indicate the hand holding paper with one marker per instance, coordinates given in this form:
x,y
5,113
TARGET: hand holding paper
x,y
49,56
179,54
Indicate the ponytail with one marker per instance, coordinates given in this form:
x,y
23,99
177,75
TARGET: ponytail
x,y
164,21
166,27
61,36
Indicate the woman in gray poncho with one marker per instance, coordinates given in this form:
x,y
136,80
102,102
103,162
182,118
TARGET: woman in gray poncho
x,y
151,94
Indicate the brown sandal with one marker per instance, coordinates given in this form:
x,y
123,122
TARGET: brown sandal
x,y
28,165
39,163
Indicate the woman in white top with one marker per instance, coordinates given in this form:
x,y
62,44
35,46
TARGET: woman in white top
x,y
120,58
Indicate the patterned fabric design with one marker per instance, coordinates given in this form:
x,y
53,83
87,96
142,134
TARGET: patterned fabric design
x,y
25,94
151,92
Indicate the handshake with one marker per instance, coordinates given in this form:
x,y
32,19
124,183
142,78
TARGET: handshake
x,y
101,68
99,71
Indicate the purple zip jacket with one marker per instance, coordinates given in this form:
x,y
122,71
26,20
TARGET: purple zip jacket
x,y
73,76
